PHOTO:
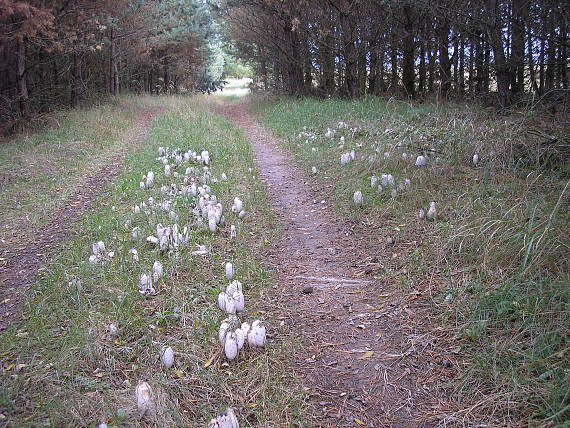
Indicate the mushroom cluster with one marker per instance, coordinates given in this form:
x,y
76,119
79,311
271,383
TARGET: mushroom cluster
x,y
100,253
234,335
181,200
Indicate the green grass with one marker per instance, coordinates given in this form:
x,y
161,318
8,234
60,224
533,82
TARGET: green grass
x,y
497,258
61,368
236,89
40,171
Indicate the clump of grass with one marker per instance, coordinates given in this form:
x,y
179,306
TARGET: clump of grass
x,y
500,236
61,368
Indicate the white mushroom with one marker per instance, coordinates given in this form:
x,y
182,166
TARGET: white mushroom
x,y
240,337
358,197
143,394
421,161
237,206
222,301
432,213
149,179
225,420
157,270
146,284
256,335
231,346
229,271
245,327
224,328
112,329
167,356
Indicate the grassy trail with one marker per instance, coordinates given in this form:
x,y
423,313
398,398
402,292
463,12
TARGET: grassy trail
x,y
487,282
30,245
65,365
469,310
354,356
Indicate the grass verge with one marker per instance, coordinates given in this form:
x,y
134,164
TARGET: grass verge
x,y
61,367
494,266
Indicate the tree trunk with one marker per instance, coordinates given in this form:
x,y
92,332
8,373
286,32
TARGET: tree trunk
x,y
307,65
263,67
373,75
531,68
431,65
471,66
362,67
462,66
394,65
495,40
327,62
517,48
480,67
550,55
444,63
408,48
350,54
21,76
563,46
77,80
455,61
112,65
422,68
294,64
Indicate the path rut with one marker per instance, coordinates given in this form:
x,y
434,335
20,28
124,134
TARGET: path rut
x,y
357,366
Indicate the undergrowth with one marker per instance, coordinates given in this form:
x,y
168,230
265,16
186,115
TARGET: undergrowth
x,y
496,258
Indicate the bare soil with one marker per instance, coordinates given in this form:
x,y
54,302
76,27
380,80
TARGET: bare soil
x,y
363,362
22,259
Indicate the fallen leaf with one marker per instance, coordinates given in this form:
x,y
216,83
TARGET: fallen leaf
x,y
209,362
366,355
359,422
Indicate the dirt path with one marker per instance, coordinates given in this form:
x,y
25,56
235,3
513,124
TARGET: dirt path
x,y
20,263
357,365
